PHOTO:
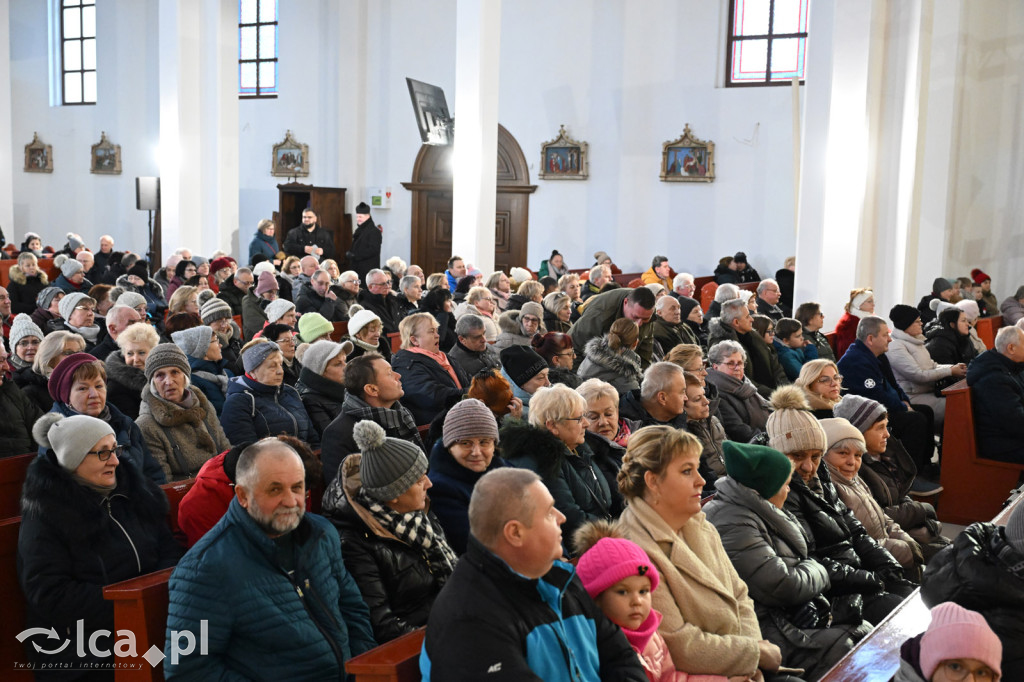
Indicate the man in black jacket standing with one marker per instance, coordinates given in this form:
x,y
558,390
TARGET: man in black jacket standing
x,y
309,240
364,254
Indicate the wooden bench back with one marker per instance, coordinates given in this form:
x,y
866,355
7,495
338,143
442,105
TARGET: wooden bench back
x,y
987,328
396,661
12,475
140,605
396,341
707,295
45,264
13,601
973,487
340,331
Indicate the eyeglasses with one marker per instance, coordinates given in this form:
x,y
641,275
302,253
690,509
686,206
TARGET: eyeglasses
x,y
731,365
530,318
104,455
578,419
956,670
246,282
379,284
837,379
85,307
568,354
28,341
289,339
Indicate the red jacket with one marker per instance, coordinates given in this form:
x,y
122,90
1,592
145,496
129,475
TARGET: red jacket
x,y
846,333
207,501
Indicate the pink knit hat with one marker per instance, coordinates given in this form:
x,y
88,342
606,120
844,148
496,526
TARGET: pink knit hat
x,y
612,560
956,632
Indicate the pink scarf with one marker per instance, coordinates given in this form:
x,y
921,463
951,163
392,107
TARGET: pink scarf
x,y
638,638
441,359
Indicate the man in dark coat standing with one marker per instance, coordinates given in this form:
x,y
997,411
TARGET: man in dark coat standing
x,y
364,254
309,240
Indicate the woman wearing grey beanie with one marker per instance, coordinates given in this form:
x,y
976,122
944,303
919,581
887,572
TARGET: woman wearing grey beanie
x,y
89,519
392,544
178,422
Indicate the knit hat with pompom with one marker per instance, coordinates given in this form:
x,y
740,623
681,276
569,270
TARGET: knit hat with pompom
x,y
390,466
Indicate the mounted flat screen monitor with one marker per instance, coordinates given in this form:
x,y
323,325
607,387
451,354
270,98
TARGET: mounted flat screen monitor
x,y
435,124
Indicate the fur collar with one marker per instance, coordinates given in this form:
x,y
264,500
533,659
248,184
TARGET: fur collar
x,y
118,371
520,440
155,287
51,493
19,277
625,363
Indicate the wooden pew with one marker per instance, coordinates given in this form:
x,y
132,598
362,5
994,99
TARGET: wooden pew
x,y
625,278
12,475
13,601
45,264
876,658
987,328
340,331
140,605
396,661
707,295
635,283
175,494
973,487
396,341
831,337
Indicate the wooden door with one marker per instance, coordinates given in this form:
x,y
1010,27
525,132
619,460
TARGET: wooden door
x,y
432,206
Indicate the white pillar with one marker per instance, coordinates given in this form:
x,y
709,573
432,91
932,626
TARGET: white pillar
x,y
6,131
199,165
834,152
477,61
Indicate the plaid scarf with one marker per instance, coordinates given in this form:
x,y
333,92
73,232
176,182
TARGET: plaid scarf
x,y
397,421
415,529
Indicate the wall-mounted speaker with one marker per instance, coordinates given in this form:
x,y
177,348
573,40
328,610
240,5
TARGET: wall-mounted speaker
x,y
147,194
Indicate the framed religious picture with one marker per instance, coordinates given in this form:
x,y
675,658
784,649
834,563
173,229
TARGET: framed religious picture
x,y
688,159
291,158
106,157
563,158
38,156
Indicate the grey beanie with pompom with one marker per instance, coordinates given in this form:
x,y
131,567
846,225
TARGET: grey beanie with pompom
x,y
390,466
70,438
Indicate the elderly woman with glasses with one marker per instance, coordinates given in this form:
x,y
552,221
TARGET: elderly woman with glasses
x,y
519,326
78,315
821,383
744,412
557,311
557,349
89,518
553,444
34,380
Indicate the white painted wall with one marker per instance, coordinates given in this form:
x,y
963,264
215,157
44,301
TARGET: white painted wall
x,y
71,198
624,76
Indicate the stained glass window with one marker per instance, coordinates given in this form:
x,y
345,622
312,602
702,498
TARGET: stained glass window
x,y
257,48
767,41
78,51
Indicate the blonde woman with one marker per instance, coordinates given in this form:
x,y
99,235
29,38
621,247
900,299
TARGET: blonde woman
x,y
708,619
184,300
821,383
613,357
431,382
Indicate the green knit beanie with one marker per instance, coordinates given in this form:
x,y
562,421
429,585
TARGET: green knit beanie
x,y
758,467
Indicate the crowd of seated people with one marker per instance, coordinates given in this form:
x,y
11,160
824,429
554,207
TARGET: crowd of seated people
x,y
627,403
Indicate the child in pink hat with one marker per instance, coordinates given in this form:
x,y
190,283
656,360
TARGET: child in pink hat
x,y
957,643
620,577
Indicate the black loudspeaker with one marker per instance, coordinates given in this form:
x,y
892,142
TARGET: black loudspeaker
x,y
147,194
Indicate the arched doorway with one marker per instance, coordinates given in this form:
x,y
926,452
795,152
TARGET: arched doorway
x,y
431,189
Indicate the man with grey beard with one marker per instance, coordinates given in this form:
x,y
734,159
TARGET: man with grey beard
x,y
267,584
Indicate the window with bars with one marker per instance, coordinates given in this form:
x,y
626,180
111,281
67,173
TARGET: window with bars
x,y
257,48
767,41
78,51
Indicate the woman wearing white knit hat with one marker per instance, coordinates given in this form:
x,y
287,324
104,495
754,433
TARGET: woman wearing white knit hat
x,y
366,332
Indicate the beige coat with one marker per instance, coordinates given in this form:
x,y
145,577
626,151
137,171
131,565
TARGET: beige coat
x,y
195,430
857,496
708,619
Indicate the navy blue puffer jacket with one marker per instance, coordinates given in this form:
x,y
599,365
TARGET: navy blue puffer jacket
x,y
253,411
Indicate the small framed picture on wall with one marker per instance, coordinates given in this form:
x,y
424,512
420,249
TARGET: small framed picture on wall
x,y
688,159
38,156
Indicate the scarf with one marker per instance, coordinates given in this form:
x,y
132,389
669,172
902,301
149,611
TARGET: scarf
x,y
639,638
441,359
17,362
416,530
369,347
90,334
397,421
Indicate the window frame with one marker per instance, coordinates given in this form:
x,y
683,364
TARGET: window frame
x,y
258,92
771,36
80,40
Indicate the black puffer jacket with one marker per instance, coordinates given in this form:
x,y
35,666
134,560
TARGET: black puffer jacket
x,y
124,385
35,387
947,347
73,542
397,582
981,571
429,389
856,564
17,414
24,289
322,398
768,547
998,397
582,489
